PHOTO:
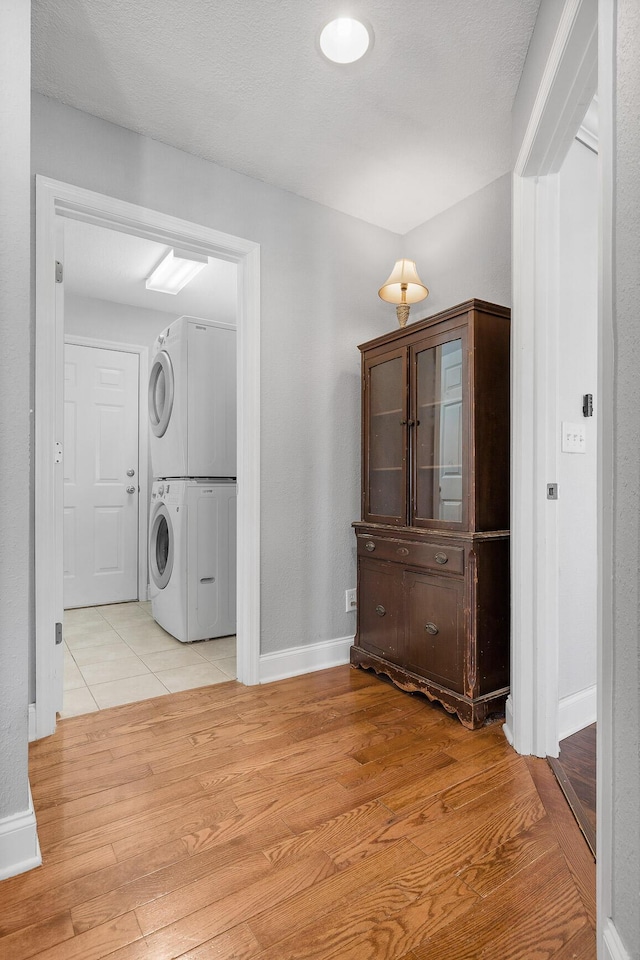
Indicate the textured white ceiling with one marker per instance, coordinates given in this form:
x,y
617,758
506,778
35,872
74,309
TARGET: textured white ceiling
x,y
108,265
417,125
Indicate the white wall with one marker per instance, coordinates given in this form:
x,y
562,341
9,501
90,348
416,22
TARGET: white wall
x,y
465,252
17,840
577,375
626,486
320,274
118,322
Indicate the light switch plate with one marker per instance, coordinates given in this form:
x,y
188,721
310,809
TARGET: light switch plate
x,y
574,437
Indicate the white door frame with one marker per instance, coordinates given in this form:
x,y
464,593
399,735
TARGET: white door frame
x,y
143,442
53,200
584,44
568,85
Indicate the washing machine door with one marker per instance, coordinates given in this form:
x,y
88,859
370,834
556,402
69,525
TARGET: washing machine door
x,y
161,547
161,392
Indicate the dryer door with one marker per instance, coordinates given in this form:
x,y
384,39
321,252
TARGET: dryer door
x,y
161,392
161,547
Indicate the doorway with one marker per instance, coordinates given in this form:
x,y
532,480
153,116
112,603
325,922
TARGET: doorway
x,y
55,203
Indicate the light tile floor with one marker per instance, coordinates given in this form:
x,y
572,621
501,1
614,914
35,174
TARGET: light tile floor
x,y
118,654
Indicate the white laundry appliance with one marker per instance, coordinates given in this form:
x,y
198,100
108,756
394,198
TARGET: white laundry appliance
x,y
192,400
192,557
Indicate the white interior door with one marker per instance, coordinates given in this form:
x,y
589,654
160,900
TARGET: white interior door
x,y
101,485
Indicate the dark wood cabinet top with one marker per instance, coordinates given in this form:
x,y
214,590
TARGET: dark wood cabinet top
x,y
410,331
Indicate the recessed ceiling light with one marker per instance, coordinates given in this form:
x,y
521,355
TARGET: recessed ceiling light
x,y
345,40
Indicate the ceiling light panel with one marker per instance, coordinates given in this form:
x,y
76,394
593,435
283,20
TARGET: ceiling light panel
x,y
176,269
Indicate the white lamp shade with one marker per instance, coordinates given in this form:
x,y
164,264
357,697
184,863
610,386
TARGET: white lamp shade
x,y
404,275
176,269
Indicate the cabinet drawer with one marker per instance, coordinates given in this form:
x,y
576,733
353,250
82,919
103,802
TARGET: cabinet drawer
x,y
380,623
434,633
436,556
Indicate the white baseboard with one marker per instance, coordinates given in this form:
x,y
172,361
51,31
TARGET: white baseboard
x,y
507,727
19,847
612,946
577,711
299,660
32,722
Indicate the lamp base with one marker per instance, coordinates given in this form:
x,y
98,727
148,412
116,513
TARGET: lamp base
x,y
402,312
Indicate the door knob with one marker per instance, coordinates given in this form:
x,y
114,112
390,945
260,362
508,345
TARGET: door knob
x,y
131,472
131,489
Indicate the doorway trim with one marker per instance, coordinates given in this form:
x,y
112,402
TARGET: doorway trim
x,y
143,440
567,87
584,46
54,200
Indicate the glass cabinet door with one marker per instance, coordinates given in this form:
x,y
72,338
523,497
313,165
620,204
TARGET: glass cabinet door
x,y
440,418
385,455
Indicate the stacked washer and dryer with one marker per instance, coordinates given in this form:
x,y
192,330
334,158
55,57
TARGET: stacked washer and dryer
x,y
192,528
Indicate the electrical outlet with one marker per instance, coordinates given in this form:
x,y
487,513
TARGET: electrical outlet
x,y
350,601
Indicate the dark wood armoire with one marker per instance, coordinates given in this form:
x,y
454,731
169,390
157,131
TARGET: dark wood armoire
x,y
433,542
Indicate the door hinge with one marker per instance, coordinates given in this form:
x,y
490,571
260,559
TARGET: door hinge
x,y
58,634
58,272
57,452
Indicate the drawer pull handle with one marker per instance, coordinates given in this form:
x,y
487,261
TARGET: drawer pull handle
x,y
380,610
441,558
402,551
369,545
431,628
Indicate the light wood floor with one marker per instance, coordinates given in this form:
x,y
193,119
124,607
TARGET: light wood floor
x,y
327,816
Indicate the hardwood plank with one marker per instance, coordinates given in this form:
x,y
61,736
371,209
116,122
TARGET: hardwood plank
x,y
509,858
58,897
454,846
316,903
69,788
582,946
221,881
203,924
105,797
354,824
402,735
359,927
236,944
95,944
86,751
205,832
505,919
432,782
36,937
117,898
32,884
574,847
390,768
57,830
495,776
134,834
